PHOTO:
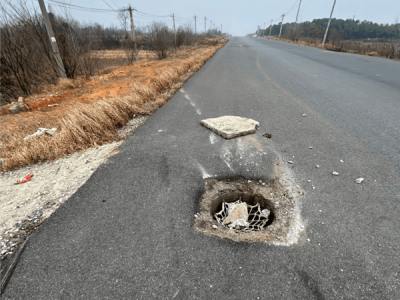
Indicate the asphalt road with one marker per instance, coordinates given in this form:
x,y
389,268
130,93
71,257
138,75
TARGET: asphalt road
x,y
128,232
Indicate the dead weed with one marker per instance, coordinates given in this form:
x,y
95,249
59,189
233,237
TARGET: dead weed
x,y
94,121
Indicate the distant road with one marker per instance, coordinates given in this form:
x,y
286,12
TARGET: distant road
x,y
128,232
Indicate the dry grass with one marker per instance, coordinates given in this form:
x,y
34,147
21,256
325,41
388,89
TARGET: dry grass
x,y
89,121
388,50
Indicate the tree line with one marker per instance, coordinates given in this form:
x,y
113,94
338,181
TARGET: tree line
x,y
348,29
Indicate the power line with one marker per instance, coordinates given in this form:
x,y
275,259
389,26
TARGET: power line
x,y
87,10
115,4
81,7
138,11
291,9
108,5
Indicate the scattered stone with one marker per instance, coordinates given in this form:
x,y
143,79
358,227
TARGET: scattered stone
x,y
335,173
265,213
308,180
341,161
317,166
215,226
290,162
359,180
231,126
239,211
267,135
19,107
304,115
310,147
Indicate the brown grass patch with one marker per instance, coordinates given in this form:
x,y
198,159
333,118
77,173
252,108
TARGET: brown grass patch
x,y
89,112
387,50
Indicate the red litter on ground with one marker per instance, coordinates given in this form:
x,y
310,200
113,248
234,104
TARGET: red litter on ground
x,y
25,179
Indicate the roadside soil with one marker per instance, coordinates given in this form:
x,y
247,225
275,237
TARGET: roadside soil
x,y
88,112
59,174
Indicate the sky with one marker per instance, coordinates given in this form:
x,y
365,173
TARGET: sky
x,y
237,17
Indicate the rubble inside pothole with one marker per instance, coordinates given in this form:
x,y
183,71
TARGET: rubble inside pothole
x,y
242,216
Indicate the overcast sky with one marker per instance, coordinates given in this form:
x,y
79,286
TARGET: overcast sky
x,y
240,17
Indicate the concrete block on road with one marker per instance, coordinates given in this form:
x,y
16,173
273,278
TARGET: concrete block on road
x,y
231,126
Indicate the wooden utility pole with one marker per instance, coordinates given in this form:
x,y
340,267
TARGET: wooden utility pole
x,y
270,28
264,30
205,24
195,25
221,29
173,19
53,42
294,30
280,31
133,34
326,32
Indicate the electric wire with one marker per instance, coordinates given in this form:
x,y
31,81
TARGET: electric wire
x,y
108,5
81,7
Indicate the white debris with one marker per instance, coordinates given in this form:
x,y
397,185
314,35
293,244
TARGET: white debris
x,y
317,166
341,160
239,223
265,212
304,115
335,173
40,131
290,162
215,226
359,180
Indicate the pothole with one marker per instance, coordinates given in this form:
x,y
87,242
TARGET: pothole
x,y
247,210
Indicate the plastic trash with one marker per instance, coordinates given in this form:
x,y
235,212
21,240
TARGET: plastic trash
x,y
40,131
25,179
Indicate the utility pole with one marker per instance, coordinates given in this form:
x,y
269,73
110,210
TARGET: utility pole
x,y
173,19
264,29
294,30
205,24
211,26
133,34
270,28
53,42
326,32
195,25
221,29
280,31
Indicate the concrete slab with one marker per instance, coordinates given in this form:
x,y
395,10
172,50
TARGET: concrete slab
x,y
231,126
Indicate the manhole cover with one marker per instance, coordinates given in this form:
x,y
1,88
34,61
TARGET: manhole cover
x,y
249,211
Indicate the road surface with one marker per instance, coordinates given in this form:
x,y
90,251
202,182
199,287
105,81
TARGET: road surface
x,y
128,232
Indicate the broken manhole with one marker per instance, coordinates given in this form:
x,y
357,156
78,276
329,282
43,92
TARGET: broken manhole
x,y
231,126
249,211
